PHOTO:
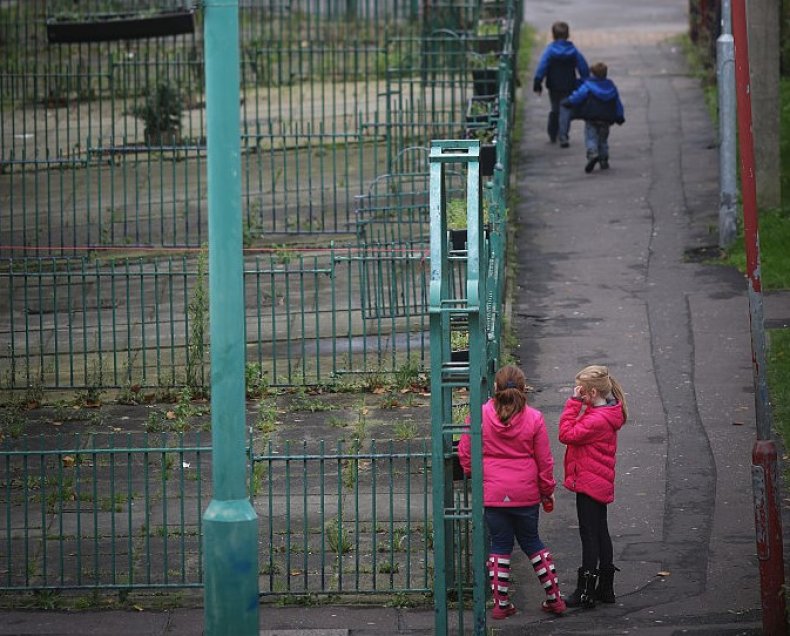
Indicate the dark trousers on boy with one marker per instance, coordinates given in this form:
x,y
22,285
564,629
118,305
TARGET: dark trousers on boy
x,y
596,140
559,118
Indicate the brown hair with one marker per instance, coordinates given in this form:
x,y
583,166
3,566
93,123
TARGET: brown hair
x,y
599,69
560,30
510,392
597,377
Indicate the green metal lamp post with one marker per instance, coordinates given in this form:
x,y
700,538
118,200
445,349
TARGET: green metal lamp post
x,y
230,526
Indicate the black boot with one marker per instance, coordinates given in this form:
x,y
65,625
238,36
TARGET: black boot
x,y
584,594
605,590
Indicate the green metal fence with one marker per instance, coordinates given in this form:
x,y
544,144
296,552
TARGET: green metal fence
x,y
102,279
123,511
312,315
88,511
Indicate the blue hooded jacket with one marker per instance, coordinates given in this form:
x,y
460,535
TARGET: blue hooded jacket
x,y
597,99
558,64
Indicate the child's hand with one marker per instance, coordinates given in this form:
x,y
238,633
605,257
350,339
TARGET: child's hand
x,y
547,503
577,393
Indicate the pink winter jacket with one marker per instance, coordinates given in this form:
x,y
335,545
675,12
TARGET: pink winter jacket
x,y
518,467
591,441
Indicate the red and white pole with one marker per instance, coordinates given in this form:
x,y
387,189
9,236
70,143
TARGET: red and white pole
x,y
765,471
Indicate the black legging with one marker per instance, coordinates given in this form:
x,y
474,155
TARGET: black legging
x,y
594,531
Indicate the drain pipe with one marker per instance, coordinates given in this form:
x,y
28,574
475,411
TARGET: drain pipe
x,y
725,79
230,526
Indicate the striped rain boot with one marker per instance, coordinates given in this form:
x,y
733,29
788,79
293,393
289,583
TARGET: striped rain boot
x,y
543,564
499,577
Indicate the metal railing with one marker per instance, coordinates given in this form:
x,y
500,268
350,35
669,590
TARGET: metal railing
x,y
123,511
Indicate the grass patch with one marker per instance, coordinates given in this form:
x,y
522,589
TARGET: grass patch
x,y
778,372
774,255
784,140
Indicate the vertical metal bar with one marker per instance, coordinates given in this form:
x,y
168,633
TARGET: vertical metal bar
x,y
95,495
288,532
305,519
322,509
42,485
77,502
25,507
725,74
60,498
147,508
8,543
113,549
339,528
765,473
164,471
129,502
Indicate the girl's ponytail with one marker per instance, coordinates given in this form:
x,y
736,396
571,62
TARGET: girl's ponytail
x,y
617,392
510,393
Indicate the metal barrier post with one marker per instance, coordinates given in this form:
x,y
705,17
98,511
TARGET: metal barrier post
x,y
765,471
230,524
446,310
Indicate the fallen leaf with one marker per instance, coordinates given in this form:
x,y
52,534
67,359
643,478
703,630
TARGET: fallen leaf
x,y
68,461
379,390
139,608
170,415
663,573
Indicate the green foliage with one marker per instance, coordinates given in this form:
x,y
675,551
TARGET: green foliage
x,y
12,421
337,540
489,27
410,375
255,382
302,401
699,62
161,110
405,430
774,256
456,214
778,373
267,417
198,311
484,60
784,139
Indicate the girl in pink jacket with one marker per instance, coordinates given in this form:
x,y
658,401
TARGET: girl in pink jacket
x,y
518,474
588,427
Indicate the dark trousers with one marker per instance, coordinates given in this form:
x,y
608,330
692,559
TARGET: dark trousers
x,y
558,126
594,531
507,524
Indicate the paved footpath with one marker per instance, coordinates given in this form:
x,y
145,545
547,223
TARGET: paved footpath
x,y
607,274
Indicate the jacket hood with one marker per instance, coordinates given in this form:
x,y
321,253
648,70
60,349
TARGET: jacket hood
x,y
562,49
509,430
603,89
613,415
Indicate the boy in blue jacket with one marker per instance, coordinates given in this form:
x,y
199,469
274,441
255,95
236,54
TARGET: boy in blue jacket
x,y
598,103
559,65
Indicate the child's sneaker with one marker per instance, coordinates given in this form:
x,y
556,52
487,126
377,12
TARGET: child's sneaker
x,y
591,164
605,164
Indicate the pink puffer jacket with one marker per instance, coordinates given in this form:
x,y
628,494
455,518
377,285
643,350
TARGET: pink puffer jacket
x,y
518,467
591,440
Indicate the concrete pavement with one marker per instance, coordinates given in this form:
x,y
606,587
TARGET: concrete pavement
x,y
608,273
